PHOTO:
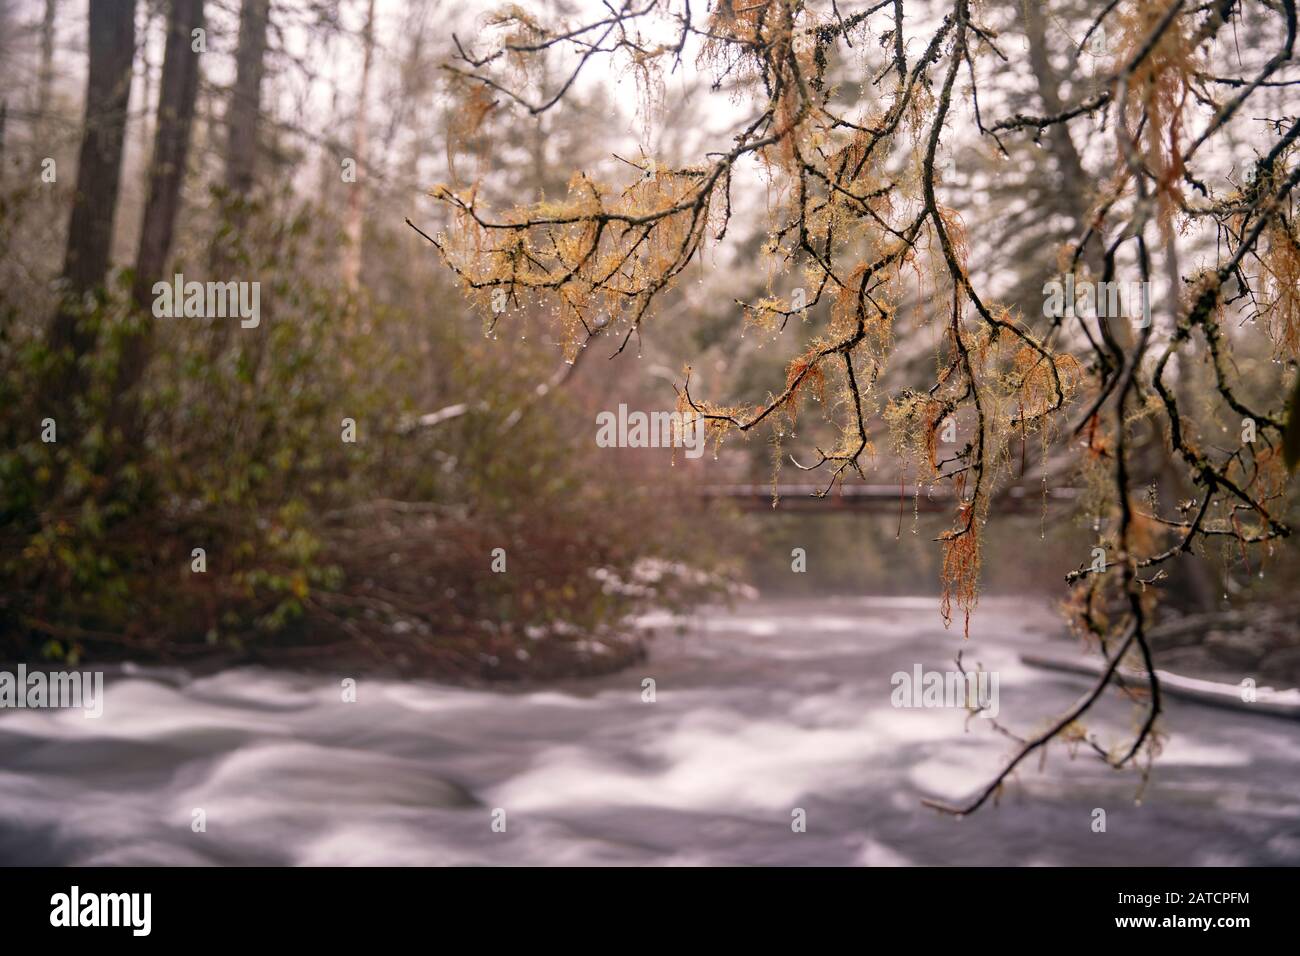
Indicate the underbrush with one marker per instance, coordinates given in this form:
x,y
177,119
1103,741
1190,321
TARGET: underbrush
x,y
240,523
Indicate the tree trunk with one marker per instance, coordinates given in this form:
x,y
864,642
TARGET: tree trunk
x,y
246,97
242,117
1195,588
90,229
45,80
177,92
176,95
144,130
352,225
6,31
1073,181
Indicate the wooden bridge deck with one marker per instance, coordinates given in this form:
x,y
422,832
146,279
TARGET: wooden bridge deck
x,y
874,498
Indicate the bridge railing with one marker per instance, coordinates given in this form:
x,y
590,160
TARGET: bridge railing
x,y
866,497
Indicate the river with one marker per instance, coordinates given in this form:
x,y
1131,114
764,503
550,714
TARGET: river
x,y
774,706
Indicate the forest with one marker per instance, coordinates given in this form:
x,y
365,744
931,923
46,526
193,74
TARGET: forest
x,y
320,320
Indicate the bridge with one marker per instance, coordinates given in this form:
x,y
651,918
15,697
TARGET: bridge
x,y
875,498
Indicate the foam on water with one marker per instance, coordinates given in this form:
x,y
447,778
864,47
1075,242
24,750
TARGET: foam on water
x,y
781,706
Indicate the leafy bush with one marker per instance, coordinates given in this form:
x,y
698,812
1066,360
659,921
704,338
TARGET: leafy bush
x,y
317,550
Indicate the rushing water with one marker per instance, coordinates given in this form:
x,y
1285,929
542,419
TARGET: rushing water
x,y
778,705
